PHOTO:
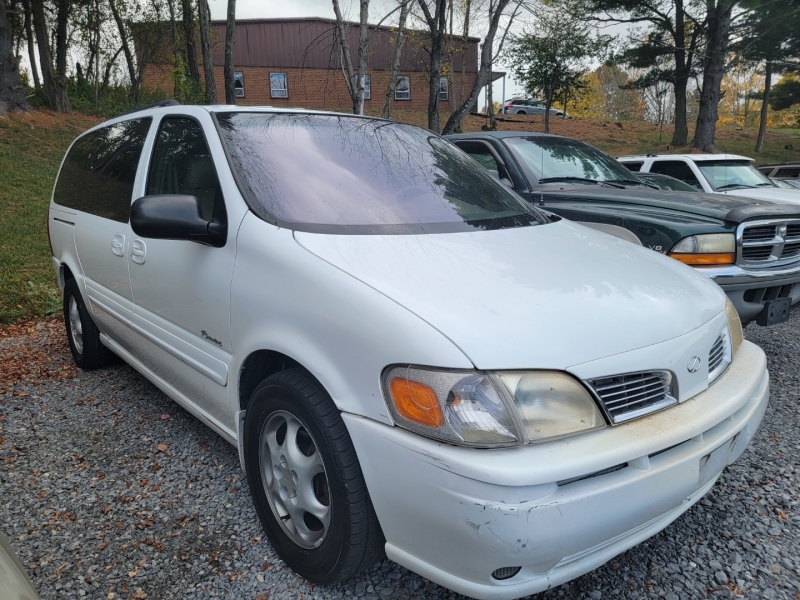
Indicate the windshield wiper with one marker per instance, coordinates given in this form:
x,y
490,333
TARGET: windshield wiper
x,y
631,182
583,179
733,185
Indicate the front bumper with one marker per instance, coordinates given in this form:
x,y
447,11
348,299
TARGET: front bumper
x,y
558,509
749,289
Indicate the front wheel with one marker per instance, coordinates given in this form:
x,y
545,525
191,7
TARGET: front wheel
x,y
306,481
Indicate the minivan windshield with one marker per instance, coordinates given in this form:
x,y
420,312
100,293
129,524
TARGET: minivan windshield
x,y
559,160
343,174
731,174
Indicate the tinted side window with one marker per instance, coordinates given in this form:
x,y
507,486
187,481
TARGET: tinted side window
x,y
788,172
634,166
481,153
100,169
677,169
182,164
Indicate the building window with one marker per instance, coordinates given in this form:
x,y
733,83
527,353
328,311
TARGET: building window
x,y
403,89
277,85
238,84
367,87
442,88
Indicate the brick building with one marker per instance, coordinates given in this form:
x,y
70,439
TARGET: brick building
x,y
297,62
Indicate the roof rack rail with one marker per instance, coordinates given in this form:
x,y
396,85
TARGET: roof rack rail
x,y
159,104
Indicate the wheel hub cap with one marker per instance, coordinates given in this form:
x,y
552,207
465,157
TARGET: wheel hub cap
x,y
75,325
294,478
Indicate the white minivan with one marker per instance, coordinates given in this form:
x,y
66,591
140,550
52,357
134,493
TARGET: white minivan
x,y
410,359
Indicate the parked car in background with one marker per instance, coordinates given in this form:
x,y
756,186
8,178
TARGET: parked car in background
x,y
713,173
410,358
529,106
665,182
14,581
784,170
795,183
750,248
783,183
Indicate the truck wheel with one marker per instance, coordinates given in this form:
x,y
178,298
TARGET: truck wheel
x,y
82,333
306,481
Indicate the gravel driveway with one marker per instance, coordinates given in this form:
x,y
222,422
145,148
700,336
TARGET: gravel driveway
x,y
110,490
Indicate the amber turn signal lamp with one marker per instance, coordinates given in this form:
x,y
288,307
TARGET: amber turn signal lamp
x,y
416,402
697,260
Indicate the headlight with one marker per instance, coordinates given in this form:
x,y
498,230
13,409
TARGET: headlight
x,y
487,409
706,249
734,326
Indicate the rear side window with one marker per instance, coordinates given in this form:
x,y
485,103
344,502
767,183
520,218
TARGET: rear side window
x,y
100,169
788,172
634,166
677,169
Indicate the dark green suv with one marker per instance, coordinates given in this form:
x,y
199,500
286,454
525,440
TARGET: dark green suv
x,y
751,248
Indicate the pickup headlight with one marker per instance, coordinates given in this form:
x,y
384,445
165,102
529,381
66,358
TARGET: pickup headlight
x,y
474,408
706,249
734,326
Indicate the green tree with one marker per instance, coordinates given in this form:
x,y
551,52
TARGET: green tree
x,y
550,61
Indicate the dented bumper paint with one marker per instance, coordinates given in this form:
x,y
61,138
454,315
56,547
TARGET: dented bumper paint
x,y
454,515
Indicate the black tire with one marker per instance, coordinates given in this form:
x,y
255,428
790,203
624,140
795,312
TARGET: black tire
x,y
521,112
352,541
88,351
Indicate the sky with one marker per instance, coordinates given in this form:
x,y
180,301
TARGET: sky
x,y
254,9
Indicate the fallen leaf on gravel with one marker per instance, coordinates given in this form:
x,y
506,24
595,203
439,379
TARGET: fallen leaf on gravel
x,y
162,447
263,596
133,573
140,595
164,417
265,567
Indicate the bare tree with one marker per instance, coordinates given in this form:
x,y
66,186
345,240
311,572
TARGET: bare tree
x,y
436,20
188,33
55,90
205,44
354,77
12,95
26,6
399,42
487,56
230,40
126,50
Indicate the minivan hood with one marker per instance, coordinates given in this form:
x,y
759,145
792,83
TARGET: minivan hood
x,y
545,297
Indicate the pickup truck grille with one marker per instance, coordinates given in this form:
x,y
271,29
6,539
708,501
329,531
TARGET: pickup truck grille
x,y
633,395
768,243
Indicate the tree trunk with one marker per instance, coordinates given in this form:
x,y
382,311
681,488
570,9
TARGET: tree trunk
x,y
191,48
762,125
126,50
31,46
547,104
230,40
55,91
354,78
12,94
205,44
398,52
437,26
680,136
483,71
62,18
467,6
719,27
97,57
177,70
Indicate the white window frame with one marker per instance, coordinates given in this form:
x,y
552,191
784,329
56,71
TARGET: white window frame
x,y
238,75
367,87
285,89
396,89
443,80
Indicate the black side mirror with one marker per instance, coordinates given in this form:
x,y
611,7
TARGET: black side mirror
x,y
175,217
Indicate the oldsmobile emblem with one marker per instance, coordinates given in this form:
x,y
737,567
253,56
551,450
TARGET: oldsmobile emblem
x,y
693,365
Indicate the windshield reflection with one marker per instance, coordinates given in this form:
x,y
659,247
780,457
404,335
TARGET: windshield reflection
x,y
722,174
357,175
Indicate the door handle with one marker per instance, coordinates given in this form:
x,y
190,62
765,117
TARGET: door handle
x,y
118,244
138,252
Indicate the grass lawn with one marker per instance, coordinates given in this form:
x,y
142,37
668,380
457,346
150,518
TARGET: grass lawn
x,y
32,146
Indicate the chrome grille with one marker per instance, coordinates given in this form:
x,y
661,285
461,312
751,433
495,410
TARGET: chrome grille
x,y
768,243
719,357
625,397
